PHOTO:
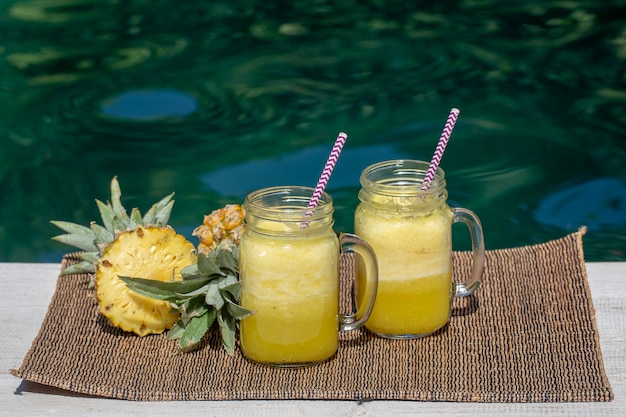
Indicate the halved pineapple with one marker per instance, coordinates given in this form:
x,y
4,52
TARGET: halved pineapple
x,y
148,252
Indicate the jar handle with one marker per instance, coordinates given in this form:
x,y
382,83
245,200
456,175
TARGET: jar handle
x,y
353,243
471,220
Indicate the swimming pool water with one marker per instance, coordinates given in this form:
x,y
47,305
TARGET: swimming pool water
x,y
212,100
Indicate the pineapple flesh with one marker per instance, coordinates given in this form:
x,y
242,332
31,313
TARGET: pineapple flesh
x,y
152,252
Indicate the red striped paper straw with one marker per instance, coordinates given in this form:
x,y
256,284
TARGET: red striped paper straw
x,y
441,147
328,169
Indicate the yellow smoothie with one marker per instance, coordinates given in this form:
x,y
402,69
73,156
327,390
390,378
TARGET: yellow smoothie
x,y
413,249
291,284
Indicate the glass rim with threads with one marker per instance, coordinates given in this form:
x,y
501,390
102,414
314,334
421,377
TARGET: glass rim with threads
x,y
289,205
397,184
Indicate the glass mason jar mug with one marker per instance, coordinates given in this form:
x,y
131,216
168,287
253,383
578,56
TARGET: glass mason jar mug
x,y
410,231
289,267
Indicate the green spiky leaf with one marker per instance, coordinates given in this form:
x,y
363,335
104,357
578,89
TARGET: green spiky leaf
x,y
191,272
199,291
102,234
225,259
194,307
237,311
89,256
195,331
233,289
223,282
213,296
116,201
73,228
119,225
228,328
163,215
107,215
135,218
207,266
162,211
83,267
176,331
84,242
163,290
150,216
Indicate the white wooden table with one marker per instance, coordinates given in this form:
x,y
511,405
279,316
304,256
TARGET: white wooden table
x,y
26,291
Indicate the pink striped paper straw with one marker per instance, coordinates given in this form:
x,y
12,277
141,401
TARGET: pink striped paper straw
x,y
441,147
328,169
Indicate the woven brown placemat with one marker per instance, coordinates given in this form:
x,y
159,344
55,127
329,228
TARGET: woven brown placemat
x,y
528,335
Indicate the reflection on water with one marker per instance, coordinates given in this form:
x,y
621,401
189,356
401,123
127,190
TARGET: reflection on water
x,y
598,204
149,105
302,166
214,99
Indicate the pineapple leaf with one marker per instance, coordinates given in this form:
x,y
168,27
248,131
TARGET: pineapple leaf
x,y
89,256
237,311
73,228
135,218
195,331
101,233
163,211
176,331
182,308
116,201
196,307
191,272
227,325
190,308
163,290
229,279
80,268
225,259
83,242
207,266
119,225
106,212
233,289
213,296
159,212
150,216
201,290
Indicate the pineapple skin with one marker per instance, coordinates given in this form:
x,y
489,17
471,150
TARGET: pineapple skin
x,y
222,224
146,252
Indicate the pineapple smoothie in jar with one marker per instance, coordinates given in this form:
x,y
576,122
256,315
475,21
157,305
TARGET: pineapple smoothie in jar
x,y
410,231
289,267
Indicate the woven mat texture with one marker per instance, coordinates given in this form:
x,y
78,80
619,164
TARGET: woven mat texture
x,y
527,335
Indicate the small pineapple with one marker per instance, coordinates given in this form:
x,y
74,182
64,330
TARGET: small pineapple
x,y
157,253
222,224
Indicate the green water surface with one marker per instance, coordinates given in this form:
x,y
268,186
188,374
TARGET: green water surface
x,y
214,99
